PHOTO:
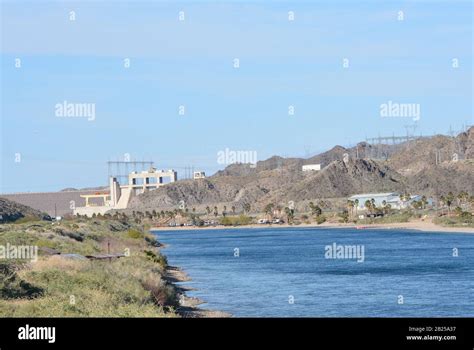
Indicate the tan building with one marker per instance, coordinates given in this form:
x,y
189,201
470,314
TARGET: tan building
x,y
119,196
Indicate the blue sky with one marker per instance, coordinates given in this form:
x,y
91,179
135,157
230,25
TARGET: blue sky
x,y
190,63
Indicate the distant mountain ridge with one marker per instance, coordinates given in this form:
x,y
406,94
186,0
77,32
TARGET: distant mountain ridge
x,y
432,166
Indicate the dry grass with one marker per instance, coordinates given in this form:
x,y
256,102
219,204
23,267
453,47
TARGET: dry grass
x,y
56,262
131,286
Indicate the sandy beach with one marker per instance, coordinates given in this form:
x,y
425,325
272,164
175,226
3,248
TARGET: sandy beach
x,y
425,226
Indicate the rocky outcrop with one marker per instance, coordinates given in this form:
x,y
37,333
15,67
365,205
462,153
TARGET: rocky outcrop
x,y
11,211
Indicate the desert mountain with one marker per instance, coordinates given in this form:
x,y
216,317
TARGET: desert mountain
x,y
431,166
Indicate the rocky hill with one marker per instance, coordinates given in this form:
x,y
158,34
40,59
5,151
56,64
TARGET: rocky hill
x,y
431,166
53,203
11,211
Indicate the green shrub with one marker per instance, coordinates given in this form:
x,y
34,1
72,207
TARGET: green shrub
x,y
13,287
135,234
151,240
344,216
78,236
320,219
157,258
236,220
26,219
46,243
464,220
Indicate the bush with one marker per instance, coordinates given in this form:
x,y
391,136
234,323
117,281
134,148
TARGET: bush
x,y
157,258
47,243
236,220
151,240
320,219
344,216
199,222
26,219
135,234
464,220
162,293
12,287
78,236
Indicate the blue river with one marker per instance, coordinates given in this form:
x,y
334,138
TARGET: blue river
x,y
310,272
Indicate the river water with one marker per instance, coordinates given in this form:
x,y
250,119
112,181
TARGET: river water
x,y
292,272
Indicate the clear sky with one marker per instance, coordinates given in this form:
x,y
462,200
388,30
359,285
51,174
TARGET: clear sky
x,y
190,63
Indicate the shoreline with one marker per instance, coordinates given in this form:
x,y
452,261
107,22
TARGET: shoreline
x,y
189,306
423,226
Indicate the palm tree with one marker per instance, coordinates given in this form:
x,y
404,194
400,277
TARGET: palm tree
x,y
368,205
311,207
315,209
462,197
350,207
233,210
215,211
405,197
247,207
424,201
289,214
449,201
356,203
269,209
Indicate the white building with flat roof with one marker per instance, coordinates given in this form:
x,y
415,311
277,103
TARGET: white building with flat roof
x,y
144,181
311,167
199,175
392,198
